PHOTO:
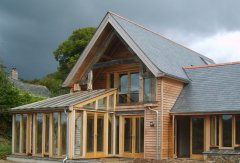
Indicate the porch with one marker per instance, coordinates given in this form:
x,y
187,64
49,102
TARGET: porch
x,y
206,137
76,126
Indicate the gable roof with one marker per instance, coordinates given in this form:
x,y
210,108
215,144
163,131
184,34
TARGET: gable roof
x,y
37,90
63,101
213,88
162,56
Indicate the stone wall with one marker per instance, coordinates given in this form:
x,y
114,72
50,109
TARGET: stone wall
x,y
220,158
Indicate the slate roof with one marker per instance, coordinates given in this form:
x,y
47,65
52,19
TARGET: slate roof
x,y
161,55
60,102
168,56
213,88
37,90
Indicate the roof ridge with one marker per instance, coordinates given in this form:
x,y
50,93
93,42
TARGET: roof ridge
x,y
212,65
130,21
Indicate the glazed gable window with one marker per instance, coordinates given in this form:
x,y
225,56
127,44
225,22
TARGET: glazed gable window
x,y
128,88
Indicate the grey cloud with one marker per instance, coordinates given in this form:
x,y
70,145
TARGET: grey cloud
x,y
30,30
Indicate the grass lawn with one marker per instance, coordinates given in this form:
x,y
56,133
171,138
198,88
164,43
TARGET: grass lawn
x,y
5,148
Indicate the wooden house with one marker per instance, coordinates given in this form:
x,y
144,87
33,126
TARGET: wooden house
x,y
137,94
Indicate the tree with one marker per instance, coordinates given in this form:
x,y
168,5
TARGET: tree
x,y
11,96
69,51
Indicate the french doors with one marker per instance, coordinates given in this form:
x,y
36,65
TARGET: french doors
x,y
133,136
95,135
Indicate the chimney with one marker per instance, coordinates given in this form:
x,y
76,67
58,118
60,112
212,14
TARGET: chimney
x,y
14,73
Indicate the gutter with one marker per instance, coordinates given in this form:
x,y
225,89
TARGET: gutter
x,y
66,158
157,112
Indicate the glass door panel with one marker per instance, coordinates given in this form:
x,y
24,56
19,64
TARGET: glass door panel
x,y
197,135
128,135
47,116
227,130
90,133
139,145
100,132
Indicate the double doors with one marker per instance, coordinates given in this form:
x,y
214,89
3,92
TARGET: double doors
x,y
133,136
95,135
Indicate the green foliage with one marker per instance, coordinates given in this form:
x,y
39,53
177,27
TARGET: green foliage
x,y
5,147
10,97
69,51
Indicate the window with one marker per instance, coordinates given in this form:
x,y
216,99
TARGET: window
x,y
134,87
78,133
117,134
237,129
63,132
110,133
102,103
91,105
227,130
38,132
111,102
149,89
24,132
55,133
123,88
17,133
129,88
47,124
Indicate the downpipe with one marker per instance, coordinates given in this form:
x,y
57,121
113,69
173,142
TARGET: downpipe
x,y
157,135
66,158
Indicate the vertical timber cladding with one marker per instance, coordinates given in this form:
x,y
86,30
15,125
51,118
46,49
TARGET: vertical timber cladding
x,y
150,132
167,91
171,91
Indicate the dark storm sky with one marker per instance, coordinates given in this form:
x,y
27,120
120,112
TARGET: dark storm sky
x,y
30,30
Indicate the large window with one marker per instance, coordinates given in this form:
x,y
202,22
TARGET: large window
x,y
149,89
227,130
128,87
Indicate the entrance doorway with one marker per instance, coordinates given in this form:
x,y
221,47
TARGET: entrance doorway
x,y
95,135
133,136
183,137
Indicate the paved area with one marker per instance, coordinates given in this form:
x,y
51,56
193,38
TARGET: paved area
x,y
6,161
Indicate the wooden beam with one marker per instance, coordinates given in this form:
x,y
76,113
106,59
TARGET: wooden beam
x,y
114,62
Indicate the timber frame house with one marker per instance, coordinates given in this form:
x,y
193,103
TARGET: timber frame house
x,y
137,94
